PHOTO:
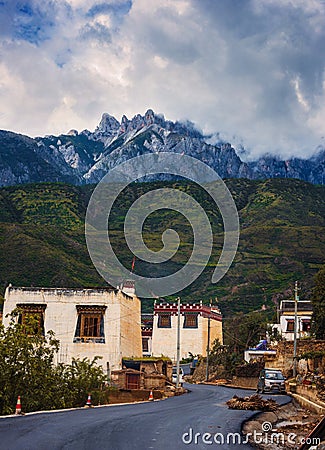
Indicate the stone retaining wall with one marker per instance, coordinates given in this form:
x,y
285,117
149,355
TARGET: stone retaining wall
x,y
309,393
129,396
284,356
245,382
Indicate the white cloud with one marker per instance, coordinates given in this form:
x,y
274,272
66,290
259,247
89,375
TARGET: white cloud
x,y
251,70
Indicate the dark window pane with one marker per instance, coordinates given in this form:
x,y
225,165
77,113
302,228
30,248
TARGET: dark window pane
x,y
164,321
92,326
290,326
86,327
145,345
190,321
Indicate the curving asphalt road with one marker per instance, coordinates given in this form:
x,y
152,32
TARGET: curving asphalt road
x,y
159,425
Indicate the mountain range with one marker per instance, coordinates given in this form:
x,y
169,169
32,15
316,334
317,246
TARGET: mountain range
x,y
85,157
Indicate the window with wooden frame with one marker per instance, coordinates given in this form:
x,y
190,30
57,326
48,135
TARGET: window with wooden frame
x,y
31,316
90,324
305,325
290,325
145,344
164,320
190,320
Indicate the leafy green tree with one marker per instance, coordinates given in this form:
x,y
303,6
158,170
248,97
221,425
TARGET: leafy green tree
x,y
318,302
223,355
274,334
189,359
26,366
242,331
27,369
80,378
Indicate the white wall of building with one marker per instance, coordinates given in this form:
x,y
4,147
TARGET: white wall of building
x,y
192,340
122,321
284,323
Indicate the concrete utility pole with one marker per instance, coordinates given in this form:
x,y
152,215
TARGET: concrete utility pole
x,y
208,349
295,331
178,339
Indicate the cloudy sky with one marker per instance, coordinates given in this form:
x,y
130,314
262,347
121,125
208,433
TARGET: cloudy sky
x,y
251,70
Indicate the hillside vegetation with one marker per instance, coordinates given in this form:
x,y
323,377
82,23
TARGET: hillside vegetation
x,y
281,240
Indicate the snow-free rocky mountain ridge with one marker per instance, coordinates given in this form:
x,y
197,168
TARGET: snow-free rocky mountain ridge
x,y
82,158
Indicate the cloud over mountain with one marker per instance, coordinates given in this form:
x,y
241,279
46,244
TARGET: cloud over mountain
x,y
251,70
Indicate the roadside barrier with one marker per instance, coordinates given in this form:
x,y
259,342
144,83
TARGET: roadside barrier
x,y
88,403
18,406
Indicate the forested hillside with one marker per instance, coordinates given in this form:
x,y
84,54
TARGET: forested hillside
x,y
42,239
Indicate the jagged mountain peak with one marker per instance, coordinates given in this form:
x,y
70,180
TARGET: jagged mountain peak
x,y
138,121
110,128
107,125
87,156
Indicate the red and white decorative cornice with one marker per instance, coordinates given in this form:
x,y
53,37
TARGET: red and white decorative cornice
x,y
198,308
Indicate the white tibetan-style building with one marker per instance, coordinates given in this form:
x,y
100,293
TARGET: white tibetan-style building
x,y
195,320
286,323
88,322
